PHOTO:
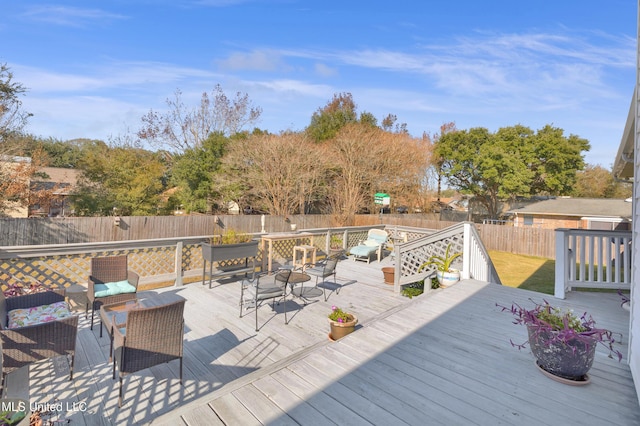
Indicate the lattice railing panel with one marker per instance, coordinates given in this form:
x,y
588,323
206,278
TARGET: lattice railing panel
x,y
64,267
407,234
58,271
414,256
354,238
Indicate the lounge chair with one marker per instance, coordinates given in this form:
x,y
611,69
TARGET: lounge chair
x,y
375,242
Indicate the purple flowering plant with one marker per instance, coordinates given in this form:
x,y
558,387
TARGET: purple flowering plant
x,y
19,288
561,326
338,315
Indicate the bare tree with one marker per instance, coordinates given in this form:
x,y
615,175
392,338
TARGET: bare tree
x,y
283,171
182,127
365,160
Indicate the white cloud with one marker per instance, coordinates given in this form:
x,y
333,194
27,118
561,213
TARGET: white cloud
x,y
257,60
324,70
107,76
70,16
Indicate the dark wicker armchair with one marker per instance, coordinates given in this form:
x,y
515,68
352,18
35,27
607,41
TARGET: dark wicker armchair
x,y
25,345
152,336
107,270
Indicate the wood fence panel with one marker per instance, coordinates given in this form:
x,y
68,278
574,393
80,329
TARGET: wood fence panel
x,y
520,240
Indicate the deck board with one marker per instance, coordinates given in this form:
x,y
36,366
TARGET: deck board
x,y
441,358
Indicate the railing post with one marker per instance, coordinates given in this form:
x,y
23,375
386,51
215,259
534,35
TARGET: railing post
x,y
466,251
396,276
561,263
178,264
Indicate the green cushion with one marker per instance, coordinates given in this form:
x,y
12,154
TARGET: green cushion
x,y
111,289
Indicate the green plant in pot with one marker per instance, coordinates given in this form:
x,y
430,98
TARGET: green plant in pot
x,y
445,274
563,344
335,242
230,236
341,323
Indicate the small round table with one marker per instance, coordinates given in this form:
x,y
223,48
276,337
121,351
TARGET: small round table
x,y
301,291
76,296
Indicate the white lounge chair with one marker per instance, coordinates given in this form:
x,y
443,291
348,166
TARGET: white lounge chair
x,y
375,242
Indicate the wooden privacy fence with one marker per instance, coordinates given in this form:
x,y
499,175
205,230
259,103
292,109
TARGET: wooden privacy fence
x,y
40,231
519,240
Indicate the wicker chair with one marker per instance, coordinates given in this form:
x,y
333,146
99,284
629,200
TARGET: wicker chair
x,y
151,336
264,287
106,270
25,345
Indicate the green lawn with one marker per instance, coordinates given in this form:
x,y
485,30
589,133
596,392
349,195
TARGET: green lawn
x,y
527,272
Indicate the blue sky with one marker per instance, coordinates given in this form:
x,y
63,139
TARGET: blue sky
x,y
93,69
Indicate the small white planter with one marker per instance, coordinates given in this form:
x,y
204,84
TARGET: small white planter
x,y
626,306
448,278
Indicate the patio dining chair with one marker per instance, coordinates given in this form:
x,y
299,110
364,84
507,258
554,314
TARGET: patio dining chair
x,y
263,287
150,337
324,269
110,281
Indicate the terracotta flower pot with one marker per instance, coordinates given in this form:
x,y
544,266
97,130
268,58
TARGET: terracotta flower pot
x,y
389,274
341,329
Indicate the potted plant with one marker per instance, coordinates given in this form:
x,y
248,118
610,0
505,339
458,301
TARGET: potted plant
x,y
563,344
626,301
341,323
335,243
445,274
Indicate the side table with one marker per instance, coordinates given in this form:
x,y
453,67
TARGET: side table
x,y
305,251
76,296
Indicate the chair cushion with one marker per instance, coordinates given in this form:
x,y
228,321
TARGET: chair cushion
x,y
363,250
112,289
371,243
38,314
316,271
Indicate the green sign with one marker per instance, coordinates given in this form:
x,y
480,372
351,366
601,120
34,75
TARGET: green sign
x,y
382,198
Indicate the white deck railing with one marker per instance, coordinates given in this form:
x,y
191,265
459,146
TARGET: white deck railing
x,y
462,237
592,259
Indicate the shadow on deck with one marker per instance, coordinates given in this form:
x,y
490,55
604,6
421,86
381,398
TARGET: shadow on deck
x,y
441,358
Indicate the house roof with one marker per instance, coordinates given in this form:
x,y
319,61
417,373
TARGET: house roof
x,y
59,175
623,164
61,180
581,207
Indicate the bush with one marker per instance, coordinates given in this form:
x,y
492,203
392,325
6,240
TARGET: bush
x,y
417,288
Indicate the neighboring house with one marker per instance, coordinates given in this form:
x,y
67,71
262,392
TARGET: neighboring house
x,y
58,186
581,213
626,163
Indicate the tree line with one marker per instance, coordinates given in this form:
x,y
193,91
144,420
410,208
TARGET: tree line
x,y
207,157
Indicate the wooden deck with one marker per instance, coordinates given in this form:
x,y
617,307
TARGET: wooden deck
x,y
442,358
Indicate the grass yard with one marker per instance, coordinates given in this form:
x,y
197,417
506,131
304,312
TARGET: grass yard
x,y
527,272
